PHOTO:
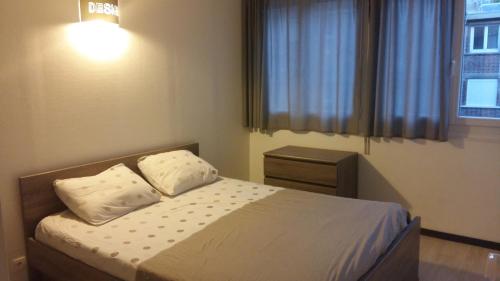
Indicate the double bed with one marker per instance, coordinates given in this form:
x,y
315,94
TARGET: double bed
x,y
226,230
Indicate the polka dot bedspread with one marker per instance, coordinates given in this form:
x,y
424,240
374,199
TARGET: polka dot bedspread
x,y
119,246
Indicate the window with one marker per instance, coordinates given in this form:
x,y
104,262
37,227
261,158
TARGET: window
x,y
484,38
336,66
479,93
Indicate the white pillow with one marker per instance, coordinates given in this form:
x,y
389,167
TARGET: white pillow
x,y
106,196
177,171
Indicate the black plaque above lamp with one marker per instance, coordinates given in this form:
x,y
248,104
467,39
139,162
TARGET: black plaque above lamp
x,y
99,10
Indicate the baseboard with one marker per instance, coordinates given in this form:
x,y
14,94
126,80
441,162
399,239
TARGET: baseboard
x,y
461,239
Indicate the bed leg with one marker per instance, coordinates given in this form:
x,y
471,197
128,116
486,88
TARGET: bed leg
x,y
35,275
401,262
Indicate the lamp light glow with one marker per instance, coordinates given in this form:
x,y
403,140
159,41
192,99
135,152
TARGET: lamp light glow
x,y
98,40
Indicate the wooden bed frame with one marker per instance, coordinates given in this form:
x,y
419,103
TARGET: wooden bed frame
x,y
38,199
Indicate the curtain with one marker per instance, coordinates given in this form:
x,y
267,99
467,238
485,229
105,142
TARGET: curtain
x,y
414,69
254,21
302,61
366,67
311,63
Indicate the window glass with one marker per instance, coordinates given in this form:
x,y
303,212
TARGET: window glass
x,y
478,37
481,92
492,36
479,97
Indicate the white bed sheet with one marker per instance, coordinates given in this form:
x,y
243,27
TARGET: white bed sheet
x,y
119,246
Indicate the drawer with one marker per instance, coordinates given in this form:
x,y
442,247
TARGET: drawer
x,y
301,171
300,186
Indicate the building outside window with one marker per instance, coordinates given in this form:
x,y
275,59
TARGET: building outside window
x,y
480,91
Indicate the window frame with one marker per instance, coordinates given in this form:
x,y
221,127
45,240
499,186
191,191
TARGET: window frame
x,y
478,77
485,49
459,47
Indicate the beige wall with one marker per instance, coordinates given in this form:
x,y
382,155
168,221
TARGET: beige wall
x,y
179,81
454,186
3,258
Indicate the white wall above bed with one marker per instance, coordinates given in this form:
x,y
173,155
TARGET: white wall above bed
x,y
179,80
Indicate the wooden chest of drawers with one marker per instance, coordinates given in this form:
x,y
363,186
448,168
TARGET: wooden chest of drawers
x,y
311,169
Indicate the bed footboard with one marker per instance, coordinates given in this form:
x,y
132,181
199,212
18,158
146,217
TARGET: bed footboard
x,y
401,261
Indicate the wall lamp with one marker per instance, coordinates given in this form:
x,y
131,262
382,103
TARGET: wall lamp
x,y
101,10
98,34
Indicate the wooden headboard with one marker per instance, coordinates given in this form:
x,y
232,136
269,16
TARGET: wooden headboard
x,y
39,200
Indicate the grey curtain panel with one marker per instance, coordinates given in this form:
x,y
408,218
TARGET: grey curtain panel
x,y
366,67
302,61
254,22
312,50
414,69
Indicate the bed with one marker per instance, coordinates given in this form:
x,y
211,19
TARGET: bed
x,y
228,230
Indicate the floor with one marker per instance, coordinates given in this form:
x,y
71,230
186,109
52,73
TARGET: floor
x,y
442,260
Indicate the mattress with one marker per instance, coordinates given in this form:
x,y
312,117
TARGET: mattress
x,y
233,230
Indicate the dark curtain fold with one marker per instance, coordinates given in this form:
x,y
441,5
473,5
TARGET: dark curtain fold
x,y
414,69
366,67
254,22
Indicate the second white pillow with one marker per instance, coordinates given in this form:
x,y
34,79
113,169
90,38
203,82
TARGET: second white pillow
x,y
178,171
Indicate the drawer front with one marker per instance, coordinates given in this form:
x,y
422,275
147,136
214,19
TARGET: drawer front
x,y
300,186
300,171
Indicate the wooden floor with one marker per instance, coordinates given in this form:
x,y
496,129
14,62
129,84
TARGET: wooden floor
x,y
442,260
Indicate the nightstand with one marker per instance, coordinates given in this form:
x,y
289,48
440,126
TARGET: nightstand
x,y
311,169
